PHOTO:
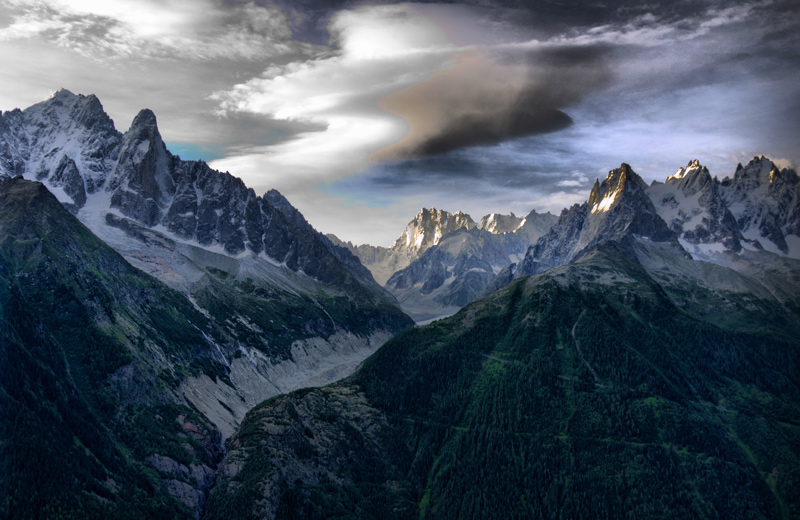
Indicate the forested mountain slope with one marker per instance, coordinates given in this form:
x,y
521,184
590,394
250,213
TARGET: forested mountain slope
x,y
93,352
295,310
116,391
583,392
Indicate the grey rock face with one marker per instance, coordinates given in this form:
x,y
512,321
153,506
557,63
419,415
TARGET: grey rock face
x,y
455,270
690,203
71,145
192,498
67,176
310,448
142,185
66,142
535,225
428,227
765,201
340,250
190,485
496,223
617,207
559,245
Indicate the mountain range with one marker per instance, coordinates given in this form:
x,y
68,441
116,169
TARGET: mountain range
x,y
256,300
634,357
623,379
444,260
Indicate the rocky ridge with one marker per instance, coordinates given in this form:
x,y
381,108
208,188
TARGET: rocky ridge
x,y
71,145
765,200
617,207
755,211
692,206
297,308
443,260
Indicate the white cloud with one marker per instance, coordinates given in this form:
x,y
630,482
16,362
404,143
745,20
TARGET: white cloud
x,y
784,163
397,83
188,29
381,50
649,30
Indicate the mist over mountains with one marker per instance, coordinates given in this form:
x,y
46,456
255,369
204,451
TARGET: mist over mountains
x,y
175,345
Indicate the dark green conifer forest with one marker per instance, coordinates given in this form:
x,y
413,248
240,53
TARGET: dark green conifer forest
x,y
554,398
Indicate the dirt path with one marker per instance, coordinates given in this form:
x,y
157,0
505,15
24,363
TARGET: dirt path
x,y
580,352
503,360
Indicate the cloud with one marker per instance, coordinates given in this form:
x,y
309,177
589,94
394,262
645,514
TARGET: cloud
x,y
784,163
489,96
164,29
365,115
650,30
406,81
381,49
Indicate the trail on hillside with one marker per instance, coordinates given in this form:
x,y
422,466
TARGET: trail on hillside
x,y
580,352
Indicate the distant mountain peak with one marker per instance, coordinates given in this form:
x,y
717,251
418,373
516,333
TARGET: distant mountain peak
x,y
765,200
618,208
62,94
498,223
145,117
428,227
692,168
606,194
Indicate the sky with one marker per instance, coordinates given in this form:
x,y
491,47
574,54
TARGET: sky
x,y
361,113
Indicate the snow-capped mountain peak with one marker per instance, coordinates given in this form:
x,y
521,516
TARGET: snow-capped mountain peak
x,y
116,183
618,207
690,169
765,200
497,223
690,204
428,227
68,142
605,195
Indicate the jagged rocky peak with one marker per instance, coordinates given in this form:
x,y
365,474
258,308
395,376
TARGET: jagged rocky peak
x,y
68,142
63,94
765,200
759,175
682,172
618,208
282,204
691,179
690,203
142,182
748,179
429,226
497,223
693,170
534,225
67,109
605,195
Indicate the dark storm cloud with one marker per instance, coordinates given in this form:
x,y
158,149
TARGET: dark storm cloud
x,y
480,128
490,97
